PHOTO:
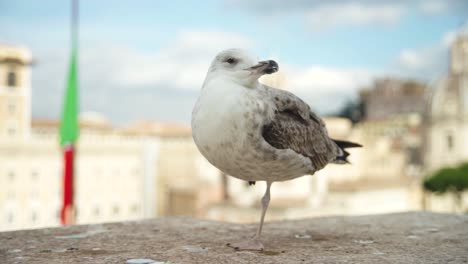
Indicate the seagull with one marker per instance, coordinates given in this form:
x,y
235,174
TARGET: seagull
x,y
254,132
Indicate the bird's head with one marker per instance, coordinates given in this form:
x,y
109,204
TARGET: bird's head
x,y
240,66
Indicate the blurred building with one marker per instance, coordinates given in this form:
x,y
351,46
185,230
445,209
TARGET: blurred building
x,y
447,114
392,126
145,169
15,91
389,97
385,175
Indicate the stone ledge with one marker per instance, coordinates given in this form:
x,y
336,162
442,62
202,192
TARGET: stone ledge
x,y
414,237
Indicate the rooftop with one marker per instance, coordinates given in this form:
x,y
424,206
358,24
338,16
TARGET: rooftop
x,y
96,121
15,54
414,237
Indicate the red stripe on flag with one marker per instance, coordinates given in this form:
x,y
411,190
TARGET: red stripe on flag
x,y
67,213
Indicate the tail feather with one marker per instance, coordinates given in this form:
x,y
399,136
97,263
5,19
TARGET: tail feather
x,y
346,144
342,158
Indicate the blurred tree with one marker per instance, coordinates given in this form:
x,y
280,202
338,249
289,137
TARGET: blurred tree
x,y
452,180
353,110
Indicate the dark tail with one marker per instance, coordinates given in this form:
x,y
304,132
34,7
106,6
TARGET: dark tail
x,y
342,158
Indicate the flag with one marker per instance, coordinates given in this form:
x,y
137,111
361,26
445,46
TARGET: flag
x,y
69,130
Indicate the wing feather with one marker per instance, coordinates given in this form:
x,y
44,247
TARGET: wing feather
x,y
296,127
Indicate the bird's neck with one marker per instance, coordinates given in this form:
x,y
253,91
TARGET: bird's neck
x,y
247,83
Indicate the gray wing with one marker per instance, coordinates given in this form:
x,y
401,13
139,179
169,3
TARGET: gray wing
x,y
296,127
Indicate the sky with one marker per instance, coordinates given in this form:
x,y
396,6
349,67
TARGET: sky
x,y
147,59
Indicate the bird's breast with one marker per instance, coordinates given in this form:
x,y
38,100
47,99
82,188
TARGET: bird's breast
x,y
226,124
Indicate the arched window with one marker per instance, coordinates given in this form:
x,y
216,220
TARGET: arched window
x,y
12,78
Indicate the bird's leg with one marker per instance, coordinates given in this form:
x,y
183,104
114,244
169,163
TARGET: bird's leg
x,y
265,203
255,243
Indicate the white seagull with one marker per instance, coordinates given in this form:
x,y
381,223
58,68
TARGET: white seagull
x,y
258,133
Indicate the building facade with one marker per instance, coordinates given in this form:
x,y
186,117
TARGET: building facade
x,y
447,113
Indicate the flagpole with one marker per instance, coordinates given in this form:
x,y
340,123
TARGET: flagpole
x,y
69,119
74,23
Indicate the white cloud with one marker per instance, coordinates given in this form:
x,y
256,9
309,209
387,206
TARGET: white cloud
x,y
353,13
448,38
434,6
161,84
414,59
329,14
426,63
164,84
182,65
326,89
319,79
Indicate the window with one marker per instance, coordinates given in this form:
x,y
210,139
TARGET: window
x,y
11,78
10,217
11,108
34,175
34,217
449,141
11,131
134,208
11,176
115,210
96,211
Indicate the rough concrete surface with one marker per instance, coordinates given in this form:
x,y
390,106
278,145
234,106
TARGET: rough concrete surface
x,y
393,238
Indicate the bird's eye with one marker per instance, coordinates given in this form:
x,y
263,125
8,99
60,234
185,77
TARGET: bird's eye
x,y
231,60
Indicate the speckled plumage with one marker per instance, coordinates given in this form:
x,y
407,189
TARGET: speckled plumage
x,y
233,140
257,133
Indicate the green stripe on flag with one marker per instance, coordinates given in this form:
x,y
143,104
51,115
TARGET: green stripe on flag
x,y
69,128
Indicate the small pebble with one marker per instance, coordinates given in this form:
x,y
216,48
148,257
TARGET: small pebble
x,y
363,242
143,261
